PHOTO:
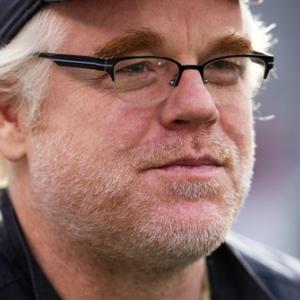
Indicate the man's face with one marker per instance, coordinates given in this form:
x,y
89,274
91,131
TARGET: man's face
x,y
155,184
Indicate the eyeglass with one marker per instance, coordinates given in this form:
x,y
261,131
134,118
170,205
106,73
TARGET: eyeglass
x,y
152,79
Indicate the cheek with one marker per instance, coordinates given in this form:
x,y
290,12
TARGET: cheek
x,y
123,128
237,123
108,131
94,120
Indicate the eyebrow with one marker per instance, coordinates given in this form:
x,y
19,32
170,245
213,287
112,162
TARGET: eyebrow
x,y
133,40
234,43
146,39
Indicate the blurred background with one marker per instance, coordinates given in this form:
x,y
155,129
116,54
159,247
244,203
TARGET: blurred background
x,y
272,211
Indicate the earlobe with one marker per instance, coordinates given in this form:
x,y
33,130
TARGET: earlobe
x,y
12,138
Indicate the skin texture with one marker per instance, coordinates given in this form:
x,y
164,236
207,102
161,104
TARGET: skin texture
x,y
96,175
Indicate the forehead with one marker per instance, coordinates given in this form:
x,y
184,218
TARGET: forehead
x,y
92,22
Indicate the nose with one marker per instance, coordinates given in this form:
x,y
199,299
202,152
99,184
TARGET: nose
x,y
190,105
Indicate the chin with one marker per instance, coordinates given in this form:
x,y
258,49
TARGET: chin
x,y
175,244
176,235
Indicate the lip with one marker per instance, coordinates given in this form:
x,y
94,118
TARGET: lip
x,y
203,167
192,162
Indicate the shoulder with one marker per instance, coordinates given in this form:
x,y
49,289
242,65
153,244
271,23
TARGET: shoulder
x,y
7,275
10,273
10,284
8,280
279,272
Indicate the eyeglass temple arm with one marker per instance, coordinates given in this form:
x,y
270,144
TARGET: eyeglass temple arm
x,y
85,62
269,61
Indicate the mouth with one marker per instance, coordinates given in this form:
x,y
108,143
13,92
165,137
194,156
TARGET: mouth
x,y
205,167
192,162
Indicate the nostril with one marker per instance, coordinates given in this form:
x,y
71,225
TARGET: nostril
x,y
178,121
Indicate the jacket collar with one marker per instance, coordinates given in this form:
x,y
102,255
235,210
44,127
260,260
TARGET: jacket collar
x,y
16,251
231,278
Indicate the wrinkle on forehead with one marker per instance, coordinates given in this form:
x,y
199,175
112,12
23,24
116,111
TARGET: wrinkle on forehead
x,y
184,23
93,11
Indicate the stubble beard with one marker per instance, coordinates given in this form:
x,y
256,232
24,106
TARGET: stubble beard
x,y
96,207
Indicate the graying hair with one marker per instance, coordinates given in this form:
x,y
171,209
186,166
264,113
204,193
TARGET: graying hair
x,y
23,77
21,81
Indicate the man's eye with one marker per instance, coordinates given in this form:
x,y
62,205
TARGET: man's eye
x,y
224,72
136,68
224,65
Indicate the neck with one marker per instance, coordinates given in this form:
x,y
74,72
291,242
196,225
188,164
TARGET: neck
x,y
100,283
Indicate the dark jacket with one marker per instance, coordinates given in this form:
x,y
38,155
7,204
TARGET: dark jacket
x,y
239,269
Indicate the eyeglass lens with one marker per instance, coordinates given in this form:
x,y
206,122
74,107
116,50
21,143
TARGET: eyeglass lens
x,y
150,79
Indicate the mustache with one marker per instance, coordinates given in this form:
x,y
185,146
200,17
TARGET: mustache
x,y
156,154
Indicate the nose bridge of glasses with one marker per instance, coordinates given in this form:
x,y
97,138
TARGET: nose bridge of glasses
x,y
183,68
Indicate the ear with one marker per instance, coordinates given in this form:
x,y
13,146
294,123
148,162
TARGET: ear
x,y
12,137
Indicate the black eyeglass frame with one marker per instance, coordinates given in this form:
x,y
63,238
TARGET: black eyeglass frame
x,y
108,64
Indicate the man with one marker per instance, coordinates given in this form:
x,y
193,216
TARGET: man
x,y
126,129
